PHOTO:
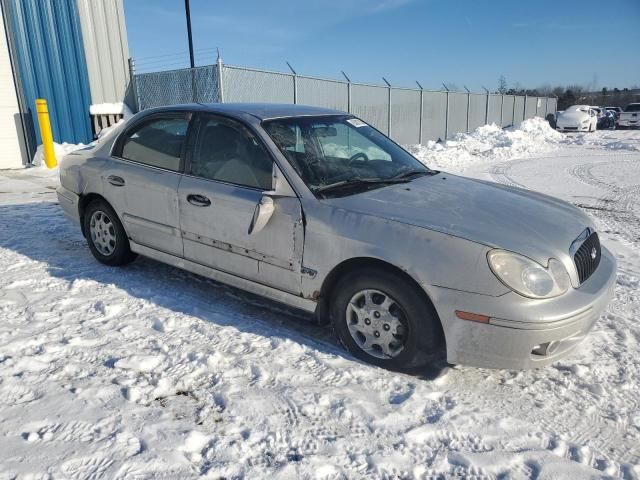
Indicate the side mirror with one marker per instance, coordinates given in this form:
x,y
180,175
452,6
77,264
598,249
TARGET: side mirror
x,y
262,214
264,210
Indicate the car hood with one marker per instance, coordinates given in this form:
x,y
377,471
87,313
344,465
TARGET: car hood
x,y
522,221
573,116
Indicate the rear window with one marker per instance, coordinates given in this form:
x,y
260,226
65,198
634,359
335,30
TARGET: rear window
x,y
634,107
157,142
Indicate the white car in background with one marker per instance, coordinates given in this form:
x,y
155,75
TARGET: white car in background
x,y
577,118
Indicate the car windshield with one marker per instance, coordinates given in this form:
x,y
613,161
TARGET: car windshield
x,y
634,107
578,108
341,150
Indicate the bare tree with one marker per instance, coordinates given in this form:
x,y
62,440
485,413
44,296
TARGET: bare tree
x,y
545,90
502,84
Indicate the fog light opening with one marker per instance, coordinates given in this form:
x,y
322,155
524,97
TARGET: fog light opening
x,y
545,349
553,347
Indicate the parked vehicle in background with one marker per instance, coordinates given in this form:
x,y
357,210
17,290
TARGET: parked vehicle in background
x,y
577,118
616,112
557,114
630,116
317,209
606,119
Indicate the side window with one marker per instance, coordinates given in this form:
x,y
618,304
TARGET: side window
x,y
157,143
227,152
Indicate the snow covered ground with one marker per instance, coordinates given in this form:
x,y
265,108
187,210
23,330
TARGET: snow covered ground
x,y
148,371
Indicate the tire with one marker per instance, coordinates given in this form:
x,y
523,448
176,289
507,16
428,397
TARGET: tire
x,y
107,239
419,340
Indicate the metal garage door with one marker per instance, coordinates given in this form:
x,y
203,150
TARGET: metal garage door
x,y
11,155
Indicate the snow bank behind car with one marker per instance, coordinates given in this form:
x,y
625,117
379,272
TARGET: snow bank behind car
x,y
490,142
487,143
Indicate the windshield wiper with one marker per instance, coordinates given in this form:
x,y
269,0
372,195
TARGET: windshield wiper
x,y
410,173
357,181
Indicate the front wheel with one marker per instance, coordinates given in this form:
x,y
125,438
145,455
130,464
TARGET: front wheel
x,y
384,319
105,234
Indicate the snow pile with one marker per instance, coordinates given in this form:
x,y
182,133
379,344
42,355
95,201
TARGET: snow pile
x,y
607,139
108,109
488,143
61,149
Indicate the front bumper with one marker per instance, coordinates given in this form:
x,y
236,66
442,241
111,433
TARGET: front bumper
x,y
519,325
69,201
629,123
572,128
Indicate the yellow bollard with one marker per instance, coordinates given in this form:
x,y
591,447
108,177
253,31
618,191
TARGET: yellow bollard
x,y
45,133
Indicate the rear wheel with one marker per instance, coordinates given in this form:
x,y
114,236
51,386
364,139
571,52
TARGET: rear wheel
x,y
384,319
105,234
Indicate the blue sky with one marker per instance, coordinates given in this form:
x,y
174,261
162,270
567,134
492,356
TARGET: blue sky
x,y
461,42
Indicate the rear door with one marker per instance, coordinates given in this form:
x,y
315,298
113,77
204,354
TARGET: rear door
x,y
226,174
142,180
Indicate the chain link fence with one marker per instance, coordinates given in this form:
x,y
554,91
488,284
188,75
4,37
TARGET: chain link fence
x,y
173,87
408,115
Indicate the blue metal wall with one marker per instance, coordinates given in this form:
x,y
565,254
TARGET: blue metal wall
x,y
50,57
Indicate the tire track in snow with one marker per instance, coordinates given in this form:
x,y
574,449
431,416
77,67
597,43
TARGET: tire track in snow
x,y
615,208
501,173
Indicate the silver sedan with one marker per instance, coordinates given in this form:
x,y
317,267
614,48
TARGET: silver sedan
x,y
316,209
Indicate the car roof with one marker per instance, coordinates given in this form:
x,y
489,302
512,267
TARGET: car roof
x,y
262,111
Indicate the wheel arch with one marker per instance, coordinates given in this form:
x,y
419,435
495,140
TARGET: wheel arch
x,y
359,263
83,202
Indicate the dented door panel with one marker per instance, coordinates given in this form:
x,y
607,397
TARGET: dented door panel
x,y
217,235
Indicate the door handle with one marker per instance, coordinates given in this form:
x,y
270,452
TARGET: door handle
x,y
198,200
115,180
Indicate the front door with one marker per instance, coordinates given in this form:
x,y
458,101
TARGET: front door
x,y
227,173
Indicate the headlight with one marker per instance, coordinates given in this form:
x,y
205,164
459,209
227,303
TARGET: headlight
x,y
529,278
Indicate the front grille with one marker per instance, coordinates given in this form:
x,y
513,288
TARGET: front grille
x,y
587,257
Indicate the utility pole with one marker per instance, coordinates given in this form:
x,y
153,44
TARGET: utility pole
x,y
188,12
